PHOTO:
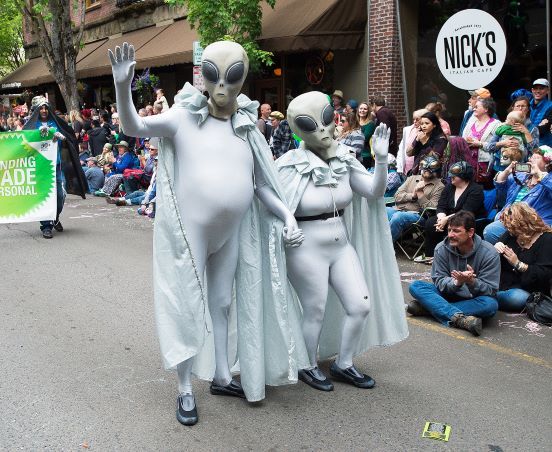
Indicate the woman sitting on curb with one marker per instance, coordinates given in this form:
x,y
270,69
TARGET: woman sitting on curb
x,y
526,257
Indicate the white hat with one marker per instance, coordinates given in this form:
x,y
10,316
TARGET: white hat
x,y
541,82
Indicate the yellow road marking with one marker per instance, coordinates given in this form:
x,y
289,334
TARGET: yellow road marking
x,y
482,343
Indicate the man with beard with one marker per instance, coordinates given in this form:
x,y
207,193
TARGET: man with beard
x,y
465,274
69,175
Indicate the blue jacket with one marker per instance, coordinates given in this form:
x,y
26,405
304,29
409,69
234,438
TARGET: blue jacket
x,y
123,162
539,112
539,198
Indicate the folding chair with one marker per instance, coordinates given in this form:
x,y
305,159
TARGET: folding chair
x,y
411,241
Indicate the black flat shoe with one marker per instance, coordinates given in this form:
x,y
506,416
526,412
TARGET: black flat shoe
x,y
186,410
47,233
233,389
309,377
58,226
350,376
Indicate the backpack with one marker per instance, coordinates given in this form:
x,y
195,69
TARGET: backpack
x,y
539,308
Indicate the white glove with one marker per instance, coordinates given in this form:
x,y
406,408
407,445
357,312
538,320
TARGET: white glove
x,y
380,143
122,64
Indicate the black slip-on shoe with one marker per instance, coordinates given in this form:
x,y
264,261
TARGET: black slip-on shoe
x,y
349,376
58,226
308,377
234,388
47,233
186,410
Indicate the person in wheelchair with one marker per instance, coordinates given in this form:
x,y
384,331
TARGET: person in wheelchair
x,y
418,193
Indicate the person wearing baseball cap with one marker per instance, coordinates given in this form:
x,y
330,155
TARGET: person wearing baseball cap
x,y
541,109
94,175
479,93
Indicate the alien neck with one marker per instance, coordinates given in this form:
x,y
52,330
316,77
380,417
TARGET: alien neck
x,y
326,153
225,112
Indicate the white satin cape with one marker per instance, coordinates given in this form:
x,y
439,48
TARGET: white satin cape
x,y
265,319
369,233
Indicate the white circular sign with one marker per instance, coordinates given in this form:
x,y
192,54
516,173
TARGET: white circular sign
x,y
471,49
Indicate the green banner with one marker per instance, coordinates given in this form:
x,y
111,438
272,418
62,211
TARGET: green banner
x,y
27,175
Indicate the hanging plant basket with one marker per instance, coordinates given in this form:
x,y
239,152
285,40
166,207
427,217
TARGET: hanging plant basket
x,y
145,85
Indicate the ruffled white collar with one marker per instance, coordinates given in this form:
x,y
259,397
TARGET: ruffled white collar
x,y
243,120
322,173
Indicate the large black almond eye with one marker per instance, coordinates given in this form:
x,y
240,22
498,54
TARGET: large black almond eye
x,y
306,123
209,71
235,72
327,115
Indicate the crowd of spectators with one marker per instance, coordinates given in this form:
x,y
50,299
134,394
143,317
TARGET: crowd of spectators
x,y
487,233
118,167
481,194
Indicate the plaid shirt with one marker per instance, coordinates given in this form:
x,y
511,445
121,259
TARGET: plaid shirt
x,y
282,140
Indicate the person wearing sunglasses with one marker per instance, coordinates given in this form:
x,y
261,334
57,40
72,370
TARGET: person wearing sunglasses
x,y
461,194
419,192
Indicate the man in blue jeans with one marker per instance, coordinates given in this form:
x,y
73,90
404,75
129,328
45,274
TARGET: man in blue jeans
x,y
419,192
465,274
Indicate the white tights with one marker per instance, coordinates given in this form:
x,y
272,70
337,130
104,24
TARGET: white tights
x,y
322,261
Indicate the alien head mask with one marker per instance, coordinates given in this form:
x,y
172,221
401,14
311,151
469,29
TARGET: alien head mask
x,y
311,117
224,67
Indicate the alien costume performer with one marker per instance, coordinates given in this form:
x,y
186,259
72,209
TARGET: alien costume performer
x,y
212,160
345,272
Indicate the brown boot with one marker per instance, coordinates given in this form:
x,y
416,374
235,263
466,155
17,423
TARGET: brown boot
x,y
468,323
111,200
121,202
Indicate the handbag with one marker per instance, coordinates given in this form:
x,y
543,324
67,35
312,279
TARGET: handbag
x,y
539,308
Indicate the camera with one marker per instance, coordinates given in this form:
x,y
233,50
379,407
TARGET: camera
x,y
523,168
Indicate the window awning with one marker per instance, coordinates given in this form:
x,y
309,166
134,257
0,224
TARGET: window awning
x,y
298,25
173,46
35,72
98,62
293,26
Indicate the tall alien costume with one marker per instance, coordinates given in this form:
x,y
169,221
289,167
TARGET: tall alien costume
x,y
345,272
212,237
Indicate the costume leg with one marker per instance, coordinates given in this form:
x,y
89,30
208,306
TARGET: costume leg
x,y
198,245
184,371
221,270
308,273
348,281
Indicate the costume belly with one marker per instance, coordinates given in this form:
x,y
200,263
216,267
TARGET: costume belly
x,y
319,199
213,176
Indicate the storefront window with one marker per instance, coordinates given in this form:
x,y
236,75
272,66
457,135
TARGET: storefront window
x,y
524,25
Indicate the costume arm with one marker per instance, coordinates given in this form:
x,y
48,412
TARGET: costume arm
x,y
293,236
122,63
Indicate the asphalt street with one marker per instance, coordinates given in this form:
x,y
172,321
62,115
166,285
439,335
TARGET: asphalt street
x,y
81,370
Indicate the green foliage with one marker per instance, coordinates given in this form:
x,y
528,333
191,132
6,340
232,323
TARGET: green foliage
x,y
233,20
145,85
11,36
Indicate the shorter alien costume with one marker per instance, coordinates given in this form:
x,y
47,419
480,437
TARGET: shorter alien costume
x,y
345,272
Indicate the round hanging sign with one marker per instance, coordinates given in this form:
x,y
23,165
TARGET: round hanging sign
x,y
471,49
